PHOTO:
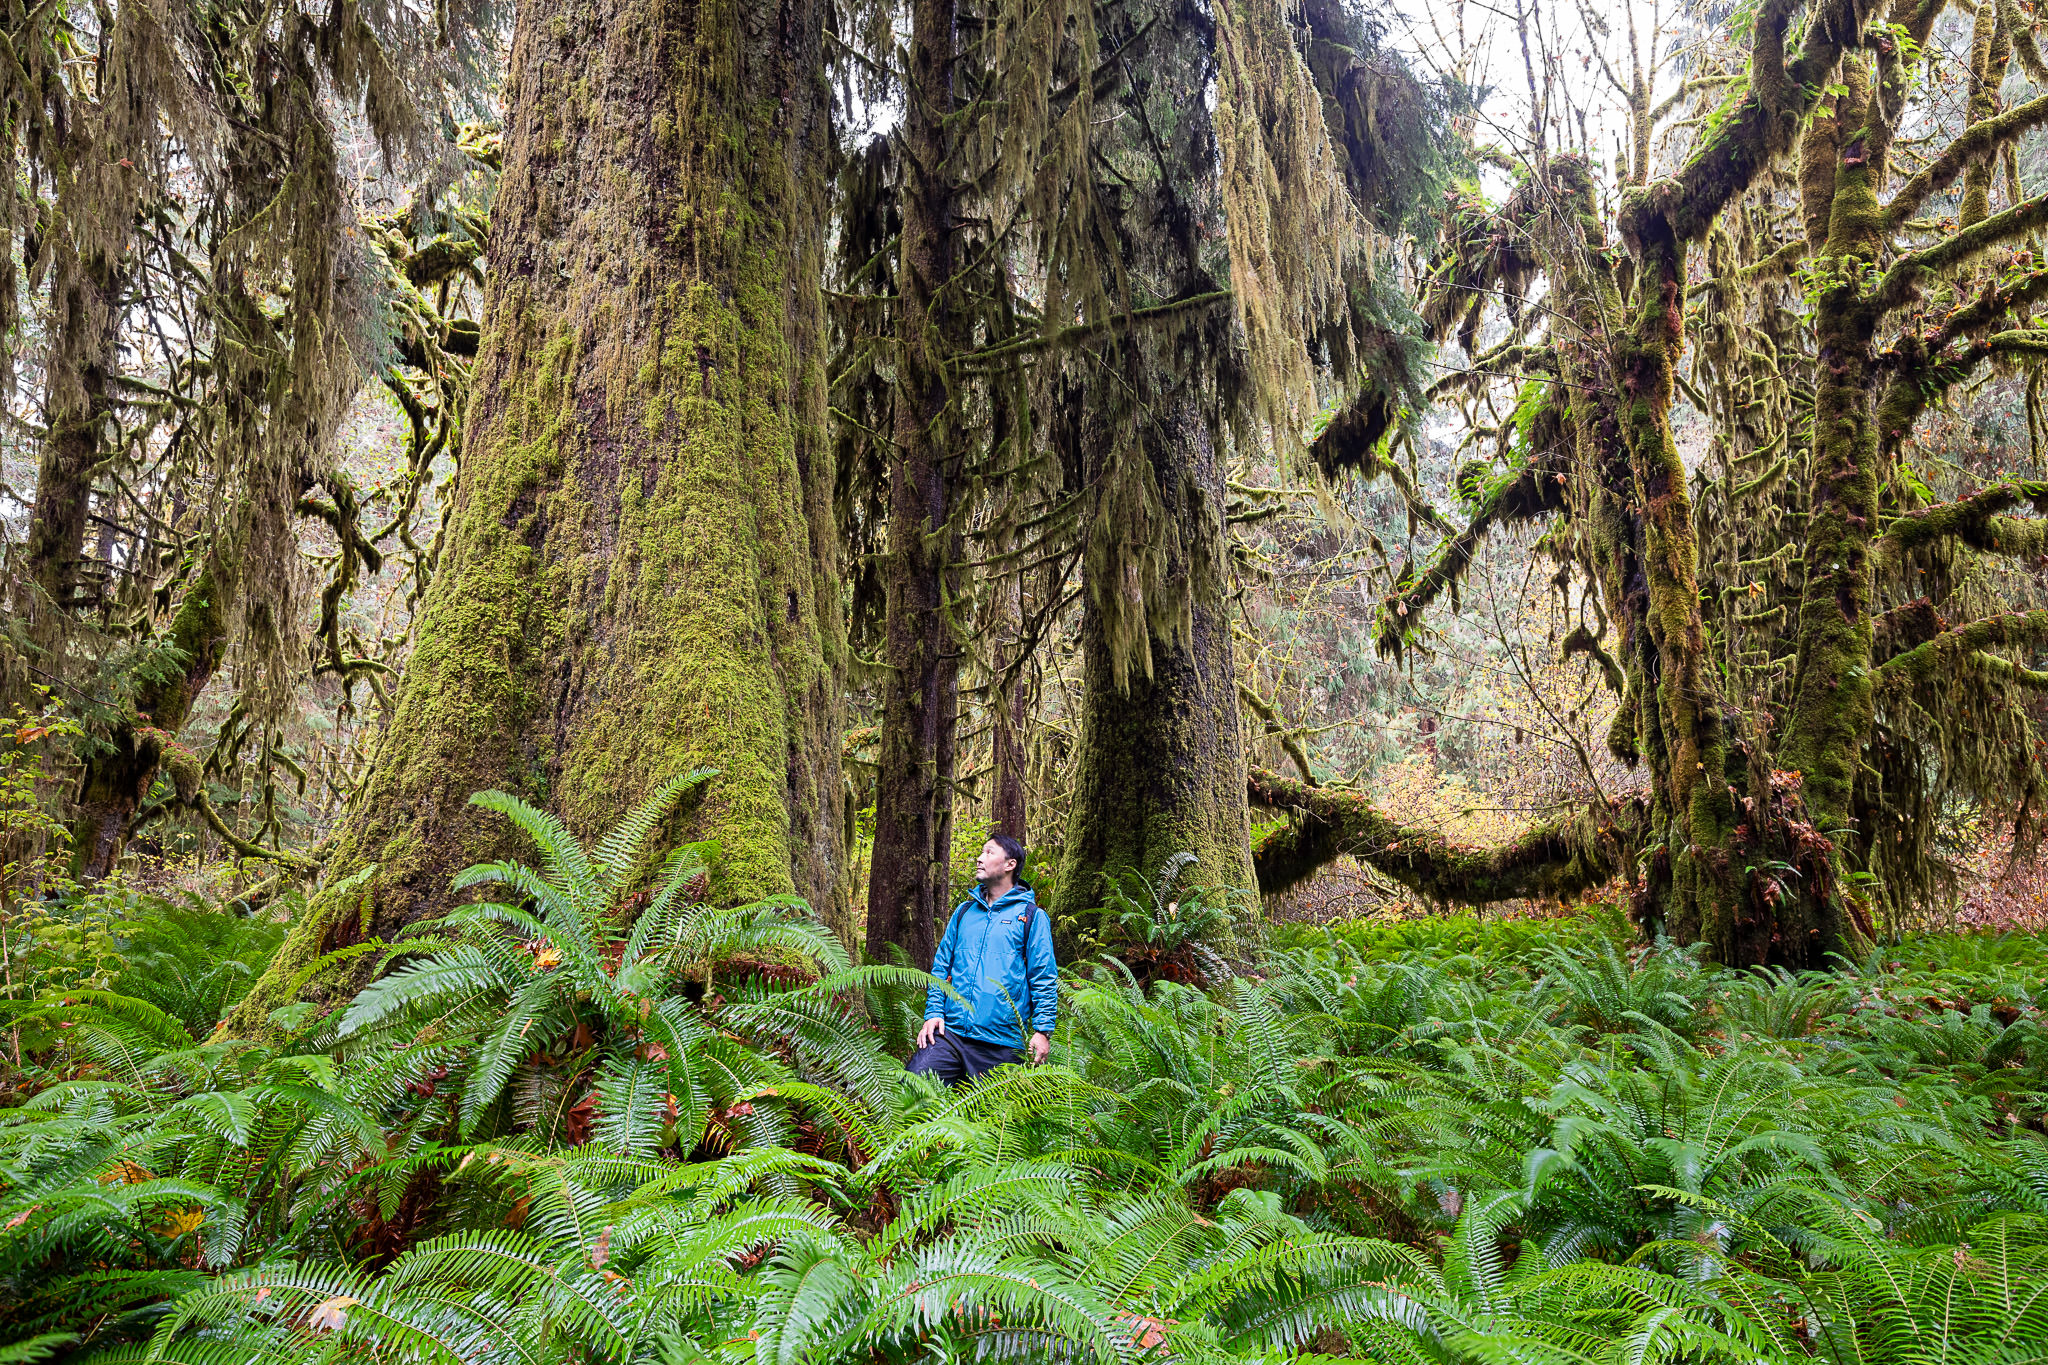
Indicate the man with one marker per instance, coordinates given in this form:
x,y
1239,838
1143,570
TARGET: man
x,y
997,953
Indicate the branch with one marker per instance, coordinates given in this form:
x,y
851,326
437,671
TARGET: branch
x,y
1535,490
1512,358
1995,301
2023,42
1896,288
1759,129
243,846
1276,724
441,258
1352,443
1975,521
1081,331
2009,671
1558,858
1977,141
1583,641
1903,628
1949,651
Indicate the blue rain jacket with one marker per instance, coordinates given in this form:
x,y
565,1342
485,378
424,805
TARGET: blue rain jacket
x,y
1010,985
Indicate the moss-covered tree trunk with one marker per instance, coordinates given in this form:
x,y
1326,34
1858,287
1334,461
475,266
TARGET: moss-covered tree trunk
x,y
1833,702
83,291
1009,804
908,888
1160,764
117,779
1679,712
639,576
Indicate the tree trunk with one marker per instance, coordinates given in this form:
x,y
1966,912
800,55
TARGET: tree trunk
x,y
83,294
1833,702
1160,766
908,891
116,782
1008,807
638,576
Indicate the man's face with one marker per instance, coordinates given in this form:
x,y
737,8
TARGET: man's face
x,y
993,862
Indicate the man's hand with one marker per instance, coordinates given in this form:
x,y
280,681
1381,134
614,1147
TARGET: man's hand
x,y
932,1029
1041,1048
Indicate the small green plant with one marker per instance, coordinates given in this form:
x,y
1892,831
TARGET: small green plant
x,y
36,946
1168,926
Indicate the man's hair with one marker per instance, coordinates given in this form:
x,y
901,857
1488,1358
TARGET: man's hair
x,y
1010,847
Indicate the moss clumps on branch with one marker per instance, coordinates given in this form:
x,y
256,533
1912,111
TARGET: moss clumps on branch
x,y
1975,521
1520,495
1558,858
1953,650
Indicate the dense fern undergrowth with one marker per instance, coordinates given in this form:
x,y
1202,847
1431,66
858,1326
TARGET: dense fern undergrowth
x,y
587,1119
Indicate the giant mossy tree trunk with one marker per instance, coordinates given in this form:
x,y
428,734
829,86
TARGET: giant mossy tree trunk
x,y
1833,699
908,891
638,578
1160,765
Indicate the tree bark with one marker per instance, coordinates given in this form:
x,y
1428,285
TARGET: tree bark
x,y
908,890
117,782
638,576
1160,765
83,290
1009,806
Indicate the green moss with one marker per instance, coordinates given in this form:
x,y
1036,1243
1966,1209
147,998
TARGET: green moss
x,y
630,587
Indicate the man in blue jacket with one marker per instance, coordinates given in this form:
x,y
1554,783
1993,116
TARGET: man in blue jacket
x,y
997,953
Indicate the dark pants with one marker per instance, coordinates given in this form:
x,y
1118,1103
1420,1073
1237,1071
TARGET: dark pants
x,y
954,1059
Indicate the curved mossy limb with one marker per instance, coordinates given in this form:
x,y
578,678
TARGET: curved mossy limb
x,y
1558,858
638,573
1950,650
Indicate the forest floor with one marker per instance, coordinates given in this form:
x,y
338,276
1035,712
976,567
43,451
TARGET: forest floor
x,y
1437,1139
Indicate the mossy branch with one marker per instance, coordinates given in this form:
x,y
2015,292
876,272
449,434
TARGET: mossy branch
x,y
1354,442
1905,627
1584,641
1995,303
242,846
1081,331
1277,727
1976,143
2005,670
1776,266
1958,248
1558,858
1976,522
1534,491
2023,46
1953,650
1519,359
1757,130
441,259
